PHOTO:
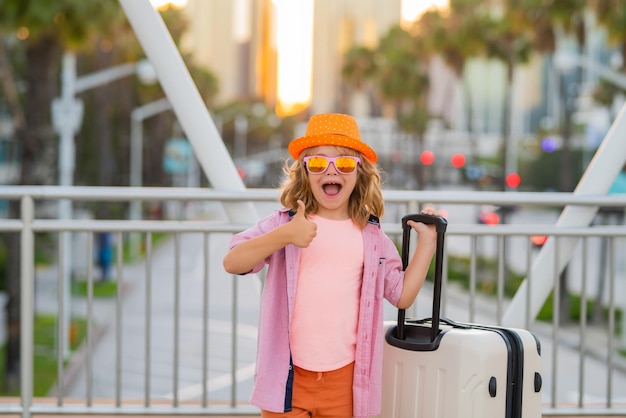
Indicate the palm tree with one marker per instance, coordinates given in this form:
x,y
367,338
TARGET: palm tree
x,y
507,42
611,14
456,36
45,29
9,87
358,70
546,23
402,79
394,72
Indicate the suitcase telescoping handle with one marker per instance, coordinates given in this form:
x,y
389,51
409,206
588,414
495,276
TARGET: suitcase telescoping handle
x,y
440,225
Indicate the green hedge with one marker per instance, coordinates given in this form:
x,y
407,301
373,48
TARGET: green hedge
x,y
45,353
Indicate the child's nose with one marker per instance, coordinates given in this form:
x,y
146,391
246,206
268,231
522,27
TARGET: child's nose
x,y
334,169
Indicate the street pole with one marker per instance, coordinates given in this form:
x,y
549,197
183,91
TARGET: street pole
x,y
67,113
137,116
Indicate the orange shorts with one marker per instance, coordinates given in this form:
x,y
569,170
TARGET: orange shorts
x,y
320,394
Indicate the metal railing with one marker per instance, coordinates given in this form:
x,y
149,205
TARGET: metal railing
x,y
179,336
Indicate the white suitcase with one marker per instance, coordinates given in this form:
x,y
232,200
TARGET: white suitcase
x,y
437,368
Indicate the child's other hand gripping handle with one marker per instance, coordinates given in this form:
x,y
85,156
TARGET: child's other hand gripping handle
x,y
426,224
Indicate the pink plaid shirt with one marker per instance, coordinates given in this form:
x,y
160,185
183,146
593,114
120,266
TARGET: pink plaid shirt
x,y
382,278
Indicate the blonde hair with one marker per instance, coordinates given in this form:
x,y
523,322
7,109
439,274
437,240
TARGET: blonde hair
x,y
366,198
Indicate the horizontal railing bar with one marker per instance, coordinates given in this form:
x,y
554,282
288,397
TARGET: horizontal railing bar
x,y
11,225
53,225
132,410
135,226
547,199
527,230
584,412
134,193
6,409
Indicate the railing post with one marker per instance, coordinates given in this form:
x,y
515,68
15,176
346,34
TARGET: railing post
x,y
27,305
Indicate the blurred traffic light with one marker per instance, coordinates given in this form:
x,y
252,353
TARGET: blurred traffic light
x,y
458,160
489,215
513,180
549,144
427,157
538,240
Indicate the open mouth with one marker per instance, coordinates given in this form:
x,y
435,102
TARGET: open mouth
x,y
331,189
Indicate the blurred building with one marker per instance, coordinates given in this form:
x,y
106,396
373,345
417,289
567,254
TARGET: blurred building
x,y
238,41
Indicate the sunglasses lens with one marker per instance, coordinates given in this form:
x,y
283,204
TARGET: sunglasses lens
x,y
345,165
317,164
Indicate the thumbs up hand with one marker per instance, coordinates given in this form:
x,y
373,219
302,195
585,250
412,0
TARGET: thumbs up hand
x,y
301,230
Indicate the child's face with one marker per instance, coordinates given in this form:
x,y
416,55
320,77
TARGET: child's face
x,y
332,189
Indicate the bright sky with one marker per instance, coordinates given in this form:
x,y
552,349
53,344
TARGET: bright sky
x,y
412,9
161,4
294,44
242,22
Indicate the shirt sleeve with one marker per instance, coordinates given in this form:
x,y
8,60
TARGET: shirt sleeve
x,y
394,275
263,226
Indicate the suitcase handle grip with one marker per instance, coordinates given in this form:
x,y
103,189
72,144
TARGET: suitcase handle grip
x,y
440,226
440,222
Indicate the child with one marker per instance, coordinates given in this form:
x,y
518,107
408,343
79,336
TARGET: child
x,y
330,265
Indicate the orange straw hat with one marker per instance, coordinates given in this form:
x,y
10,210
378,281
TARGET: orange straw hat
x,y
332,129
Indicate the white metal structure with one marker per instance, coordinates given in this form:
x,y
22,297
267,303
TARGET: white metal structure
x,y
187,103
597,180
